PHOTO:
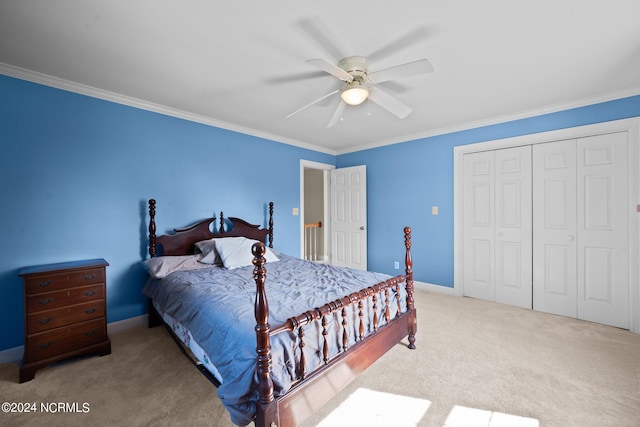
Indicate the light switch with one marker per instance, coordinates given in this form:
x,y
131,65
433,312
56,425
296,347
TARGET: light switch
x,y
294,212
434,210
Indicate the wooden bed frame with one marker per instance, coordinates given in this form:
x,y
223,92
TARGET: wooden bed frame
x,y
313,389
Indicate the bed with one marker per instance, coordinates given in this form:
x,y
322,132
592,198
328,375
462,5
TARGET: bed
x,y
274,360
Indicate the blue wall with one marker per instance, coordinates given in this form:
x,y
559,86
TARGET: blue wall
x,y
75,174
405,180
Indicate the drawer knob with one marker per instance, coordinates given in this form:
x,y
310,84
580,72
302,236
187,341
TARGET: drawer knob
x,y
89,276
45,320
90,333
90,310
45,301
44,284
90,293
46,344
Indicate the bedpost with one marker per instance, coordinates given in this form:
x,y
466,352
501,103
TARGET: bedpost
x,y
152,228
408,262
271,224
266,408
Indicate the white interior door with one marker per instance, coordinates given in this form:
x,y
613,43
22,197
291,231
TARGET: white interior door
x,y
349,217
497,226
603,229
479,233
554,228
581,228
513,226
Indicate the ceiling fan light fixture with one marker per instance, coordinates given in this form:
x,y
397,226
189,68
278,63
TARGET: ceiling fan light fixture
x,y
354,93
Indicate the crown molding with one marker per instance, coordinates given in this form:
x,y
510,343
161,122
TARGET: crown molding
x,y
500,119
79,88
56,82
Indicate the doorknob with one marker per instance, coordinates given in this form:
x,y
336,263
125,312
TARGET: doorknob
x,y
362,227
570,238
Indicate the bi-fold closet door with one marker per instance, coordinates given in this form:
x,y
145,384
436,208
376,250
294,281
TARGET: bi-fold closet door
x,y
553,235
497,243
581,228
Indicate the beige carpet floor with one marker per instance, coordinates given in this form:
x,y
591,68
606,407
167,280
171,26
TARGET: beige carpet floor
x,y
477,364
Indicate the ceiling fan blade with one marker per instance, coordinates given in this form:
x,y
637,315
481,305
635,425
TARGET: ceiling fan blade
x,y
410,38
331,69
421,66
337,114
292,78
389,103
313,102
323,36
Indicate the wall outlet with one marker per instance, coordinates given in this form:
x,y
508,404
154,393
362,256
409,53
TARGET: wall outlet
x,y
396,265
295,212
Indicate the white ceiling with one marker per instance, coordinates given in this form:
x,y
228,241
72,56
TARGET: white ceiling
x,y
241,65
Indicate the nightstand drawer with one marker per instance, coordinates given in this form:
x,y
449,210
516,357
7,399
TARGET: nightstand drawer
x,y
51,300
64,339
50,319
52,282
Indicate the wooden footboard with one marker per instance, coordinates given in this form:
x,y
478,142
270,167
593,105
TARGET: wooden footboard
x,y
314,388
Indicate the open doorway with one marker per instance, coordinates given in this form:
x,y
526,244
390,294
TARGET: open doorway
x,y
337,200
314,214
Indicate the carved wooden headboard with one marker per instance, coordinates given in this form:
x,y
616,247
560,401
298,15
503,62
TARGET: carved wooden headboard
x,y
182,241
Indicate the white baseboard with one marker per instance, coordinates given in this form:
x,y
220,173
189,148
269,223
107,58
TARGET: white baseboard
x,y
14,354
433,288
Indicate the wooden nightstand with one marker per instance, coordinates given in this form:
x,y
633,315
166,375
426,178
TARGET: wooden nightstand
x,y
65,313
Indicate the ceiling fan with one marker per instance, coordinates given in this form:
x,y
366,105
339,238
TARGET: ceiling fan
x,y
360,84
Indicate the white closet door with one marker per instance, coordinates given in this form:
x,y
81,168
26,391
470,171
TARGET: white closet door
x,y
513,256
580,226
554,228
497,226
479,226
603,229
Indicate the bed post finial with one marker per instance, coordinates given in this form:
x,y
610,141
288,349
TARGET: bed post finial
x,y
221,228
271,224
152,228
408,262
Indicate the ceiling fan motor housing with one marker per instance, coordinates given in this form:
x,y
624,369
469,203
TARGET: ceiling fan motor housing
x,y
357,66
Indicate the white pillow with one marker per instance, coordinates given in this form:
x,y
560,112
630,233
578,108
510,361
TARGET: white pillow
x,y
235,252
208,251
161,266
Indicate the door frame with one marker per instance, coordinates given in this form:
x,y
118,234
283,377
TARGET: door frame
x,y
632,126
308,164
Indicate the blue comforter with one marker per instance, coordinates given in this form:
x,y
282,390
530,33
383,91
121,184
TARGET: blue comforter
x,y
217,306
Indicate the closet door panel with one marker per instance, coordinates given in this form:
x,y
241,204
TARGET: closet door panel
x,y
478,226
554,228
556,263
603,264
513,226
